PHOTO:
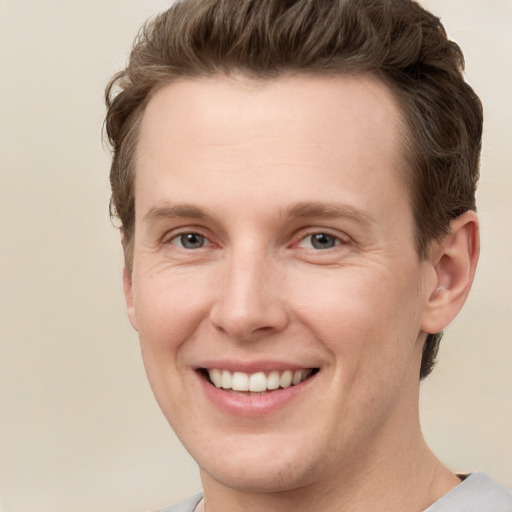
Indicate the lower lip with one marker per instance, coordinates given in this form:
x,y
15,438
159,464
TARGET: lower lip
x,y
252,405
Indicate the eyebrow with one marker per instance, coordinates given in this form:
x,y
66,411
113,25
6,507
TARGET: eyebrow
x,y
328,210
298,210
174,211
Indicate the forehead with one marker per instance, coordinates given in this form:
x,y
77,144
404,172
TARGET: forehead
x,y
300,130
189,108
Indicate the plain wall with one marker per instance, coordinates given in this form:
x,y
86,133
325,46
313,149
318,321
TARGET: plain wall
x,y
80,429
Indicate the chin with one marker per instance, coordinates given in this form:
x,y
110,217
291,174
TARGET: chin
x,y
262,479
262,470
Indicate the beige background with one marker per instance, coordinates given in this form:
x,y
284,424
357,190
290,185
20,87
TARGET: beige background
x,y
80,429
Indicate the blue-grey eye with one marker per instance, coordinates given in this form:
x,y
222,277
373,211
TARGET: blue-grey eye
x,y
191,241
322,241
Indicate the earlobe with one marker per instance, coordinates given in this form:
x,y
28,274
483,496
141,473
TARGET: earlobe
x,y
454,259
128,295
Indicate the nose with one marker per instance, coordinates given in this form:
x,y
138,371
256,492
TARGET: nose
x,y
250,302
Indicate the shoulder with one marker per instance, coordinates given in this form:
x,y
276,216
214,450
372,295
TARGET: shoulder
x,y
189,505
477,493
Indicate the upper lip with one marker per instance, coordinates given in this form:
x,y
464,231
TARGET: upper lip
x,y
252,366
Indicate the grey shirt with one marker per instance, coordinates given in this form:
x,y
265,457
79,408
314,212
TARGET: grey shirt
x,y
477,493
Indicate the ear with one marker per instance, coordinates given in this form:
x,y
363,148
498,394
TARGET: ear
x,y
454,260
128,295
128,287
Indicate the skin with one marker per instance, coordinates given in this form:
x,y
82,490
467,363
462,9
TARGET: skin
x,y
257,168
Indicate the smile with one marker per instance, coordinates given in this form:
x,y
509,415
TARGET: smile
x,y
258,382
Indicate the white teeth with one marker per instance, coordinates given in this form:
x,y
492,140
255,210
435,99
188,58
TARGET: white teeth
x,y
240,381
285,381
216,377
226,379
257,382
297,376
273,380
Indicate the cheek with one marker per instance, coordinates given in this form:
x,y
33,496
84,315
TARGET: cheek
x,y
168,309
169,312
364,317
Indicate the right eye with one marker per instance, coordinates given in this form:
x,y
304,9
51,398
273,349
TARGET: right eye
x,y
189,241
320,241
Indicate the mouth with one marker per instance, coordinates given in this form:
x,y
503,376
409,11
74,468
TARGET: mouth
x,y
256,383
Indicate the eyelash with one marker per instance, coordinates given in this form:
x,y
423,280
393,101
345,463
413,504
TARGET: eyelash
x,y
322,237
180,237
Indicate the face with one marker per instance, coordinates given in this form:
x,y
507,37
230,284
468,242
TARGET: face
x,y
276,288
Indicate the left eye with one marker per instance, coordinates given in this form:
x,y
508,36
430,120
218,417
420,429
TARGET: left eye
x,y
189,241
319,241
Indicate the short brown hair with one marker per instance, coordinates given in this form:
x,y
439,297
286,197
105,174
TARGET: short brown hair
x,y
396,40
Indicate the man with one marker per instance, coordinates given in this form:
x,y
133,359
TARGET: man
x,y
295,182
